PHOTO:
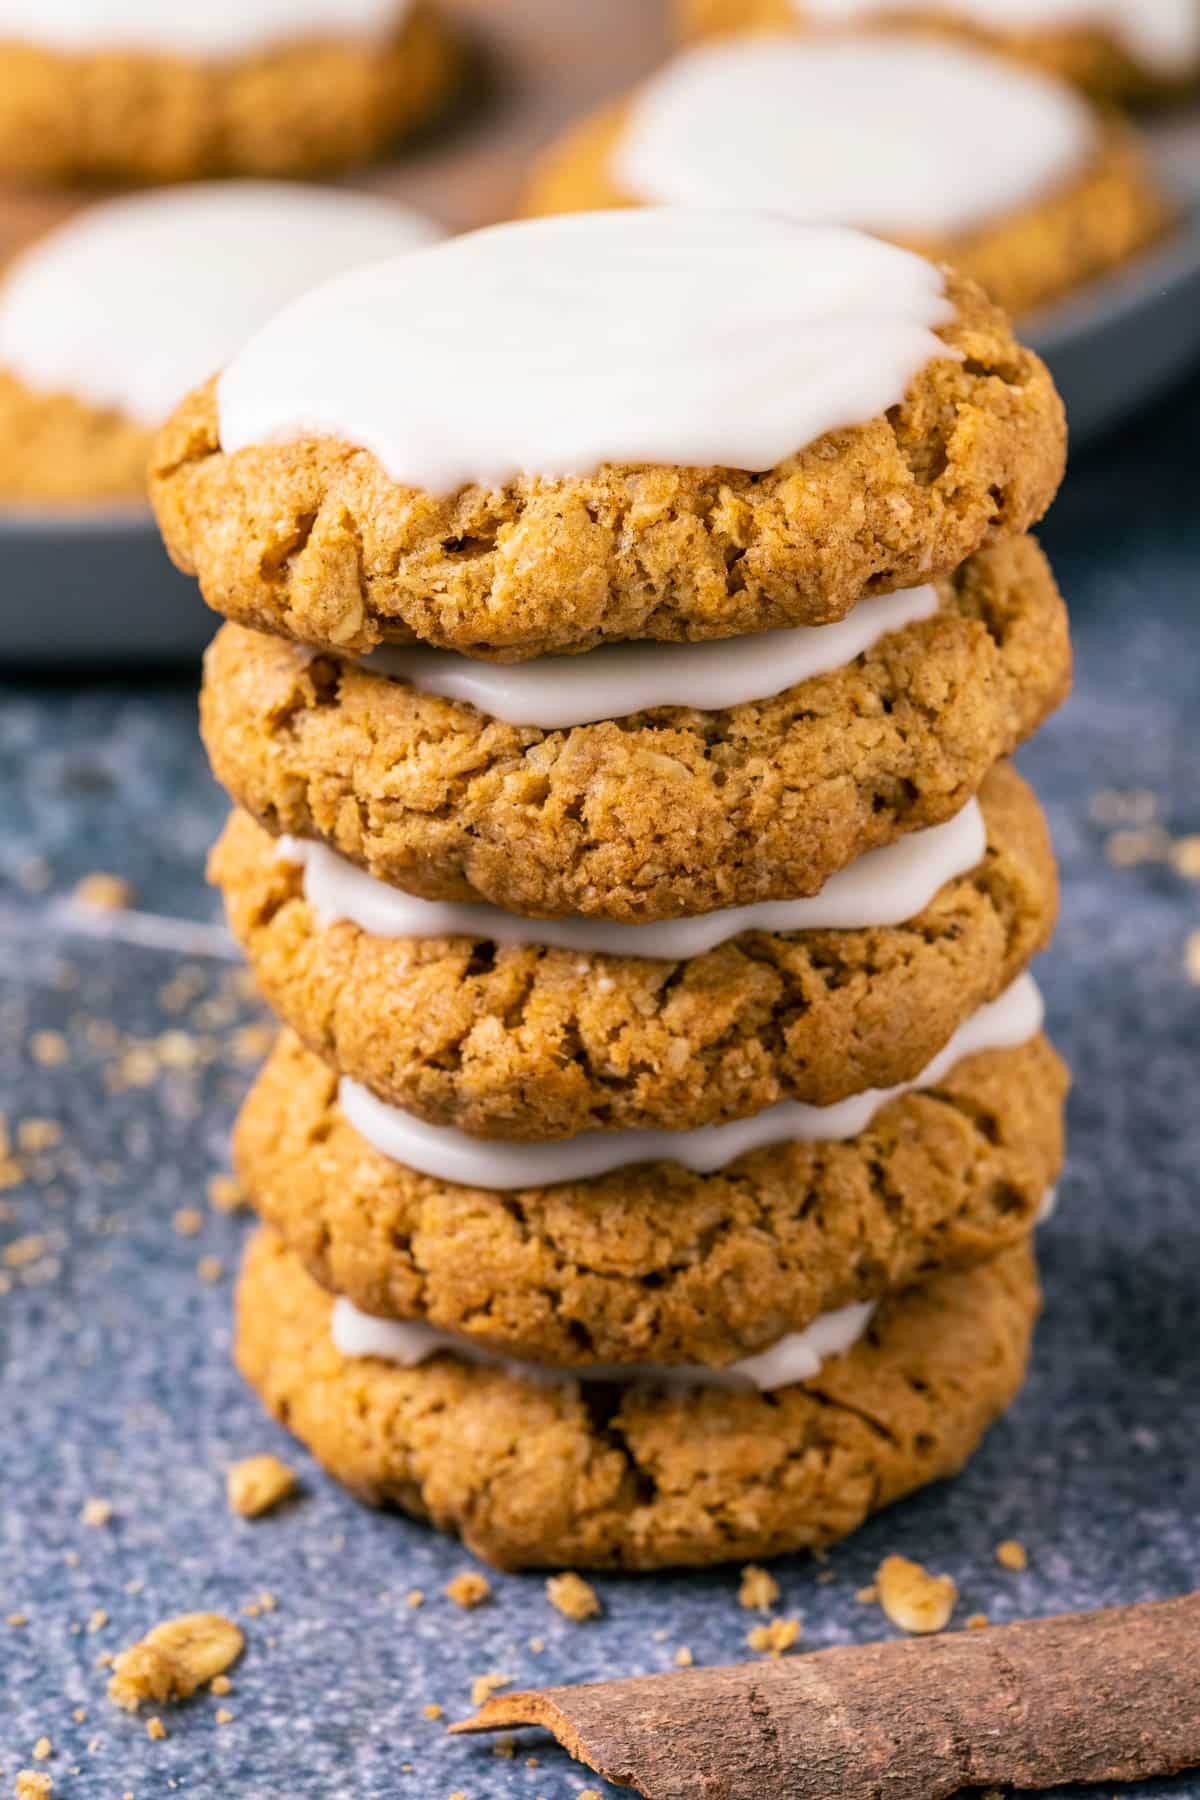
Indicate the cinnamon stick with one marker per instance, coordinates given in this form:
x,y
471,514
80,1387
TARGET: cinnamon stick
x,y
1088,1697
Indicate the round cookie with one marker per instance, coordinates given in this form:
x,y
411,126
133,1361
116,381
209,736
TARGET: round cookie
x,y
151,93
654,1262
1057,197
313,538
1116,50
526,1041
532,1475
108,321
661,815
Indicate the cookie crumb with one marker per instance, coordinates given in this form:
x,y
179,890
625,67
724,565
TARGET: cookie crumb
x,y
1191,958
220,1684
43,1750
224,1194
414,1598
433,1710
104,892
505,1746
978,1622
573,1597
914,1600
759,1591
96,1512
210,1268
16,1619
188,1221
484,1686
683,1657
98,1620
468,1590
174,1659
537,1645
155,1729
1011,1555
79,1714
1185,857
257,1483
33,1785
50,1049
868,1596
223,1716
775,1638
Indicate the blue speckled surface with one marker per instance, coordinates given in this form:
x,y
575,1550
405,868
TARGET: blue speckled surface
x,y
115,1373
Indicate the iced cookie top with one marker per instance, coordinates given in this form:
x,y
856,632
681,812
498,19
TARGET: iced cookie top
x,y
553,347
907,135
1162,34
202,29
134,302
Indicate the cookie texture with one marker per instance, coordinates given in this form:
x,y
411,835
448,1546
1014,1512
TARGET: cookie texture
x,y
521,1041
292,110
662,814
1090,225
654,1263
1086,53
55,447
534,1475
312,540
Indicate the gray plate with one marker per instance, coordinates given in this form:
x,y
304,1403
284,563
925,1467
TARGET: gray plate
x,y
95,587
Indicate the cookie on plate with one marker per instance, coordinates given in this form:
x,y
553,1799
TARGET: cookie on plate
x,y
1123,50
867,129
108,321
537,438
533,1473
666,813
146,92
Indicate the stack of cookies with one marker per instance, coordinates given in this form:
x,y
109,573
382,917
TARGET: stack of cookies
x,y
630,617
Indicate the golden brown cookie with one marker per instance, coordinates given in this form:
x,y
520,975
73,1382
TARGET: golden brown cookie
x,y
54,447
136,116
522,1041
314,541
654,1263
662,814
534,1475
1088,53
1085,228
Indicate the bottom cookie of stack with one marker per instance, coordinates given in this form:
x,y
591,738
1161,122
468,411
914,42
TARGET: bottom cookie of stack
x,y
538,1468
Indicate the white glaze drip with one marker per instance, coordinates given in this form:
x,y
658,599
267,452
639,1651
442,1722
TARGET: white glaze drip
x,y
615,680
863,130
796,1357
552,347
1162,34
884,887
448,1154
200,29
132,303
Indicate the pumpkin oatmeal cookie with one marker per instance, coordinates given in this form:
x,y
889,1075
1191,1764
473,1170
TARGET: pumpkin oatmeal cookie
x,y
529,1041
107,111
314,541
535,1475
661,815
655,1262
1114,52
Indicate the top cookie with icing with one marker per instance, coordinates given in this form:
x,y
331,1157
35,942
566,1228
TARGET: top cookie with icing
x,y
672,425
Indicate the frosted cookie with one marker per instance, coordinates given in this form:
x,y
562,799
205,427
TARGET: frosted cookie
x,y
656,1260
667,813
144,91
1116,49
565,431
106,322
511,1028
534,1474
868,129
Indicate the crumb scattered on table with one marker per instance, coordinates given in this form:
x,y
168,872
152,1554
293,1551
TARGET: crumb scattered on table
x,y
683,1657
484,1686
759,1590
468,1590
104,892
257,1483
914,1600
1011,1555
775,1638
174,1659
573,1597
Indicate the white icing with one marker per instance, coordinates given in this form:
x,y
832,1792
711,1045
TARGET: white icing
x,y
552,347
615,680
448,1154
134,302
866,131
195,28
884,887
1163,34
797,1357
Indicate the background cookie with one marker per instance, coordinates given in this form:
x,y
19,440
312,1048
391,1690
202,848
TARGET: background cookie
x,y
100,106
654,1263
660,815
1128,51
527,1041
867,128
315,540
539,1476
